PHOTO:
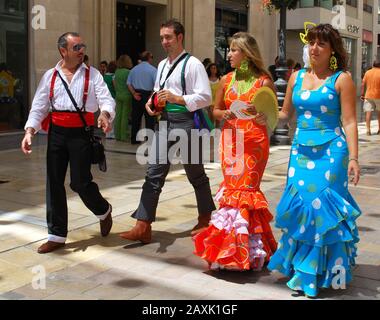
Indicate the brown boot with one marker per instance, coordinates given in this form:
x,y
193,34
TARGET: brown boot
x,y
50,246
106,225
142,231
203,223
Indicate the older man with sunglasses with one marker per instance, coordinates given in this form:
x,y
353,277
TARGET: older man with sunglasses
x,y
68,140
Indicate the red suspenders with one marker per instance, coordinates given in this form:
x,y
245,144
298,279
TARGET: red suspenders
x,y
68,119
85,91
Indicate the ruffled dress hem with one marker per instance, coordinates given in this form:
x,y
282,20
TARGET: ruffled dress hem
x,y
239,236
319,243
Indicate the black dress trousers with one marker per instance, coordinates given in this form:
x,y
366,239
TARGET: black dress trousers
x,y
69,146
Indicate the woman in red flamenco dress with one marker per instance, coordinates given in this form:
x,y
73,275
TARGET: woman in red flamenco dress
x,y
239,236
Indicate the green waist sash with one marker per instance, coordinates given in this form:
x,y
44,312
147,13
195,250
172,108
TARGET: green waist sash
x,y
177,108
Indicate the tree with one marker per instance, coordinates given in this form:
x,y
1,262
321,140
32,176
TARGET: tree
x,y
271,5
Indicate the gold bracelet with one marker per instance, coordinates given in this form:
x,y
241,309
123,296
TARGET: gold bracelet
x,y
353,159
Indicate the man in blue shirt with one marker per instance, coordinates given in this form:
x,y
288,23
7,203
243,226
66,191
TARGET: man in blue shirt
x,y
141,83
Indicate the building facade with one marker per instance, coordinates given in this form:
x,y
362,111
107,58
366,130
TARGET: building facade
x,y
356,20
29,30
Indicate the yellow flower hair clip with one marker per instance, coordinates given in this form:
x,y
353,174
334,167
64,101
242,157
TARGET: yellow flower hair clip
x,y
307,25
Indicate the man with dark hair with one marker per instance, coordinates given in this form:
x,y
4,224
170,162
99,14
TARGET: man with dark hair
x,y
272,68
86,60
141,83
68,139
370,94
177,27
178,115
206,62
103,67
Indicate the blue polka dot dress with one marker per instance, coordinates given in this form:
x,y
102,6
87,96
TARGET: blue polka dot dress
x,y
316,212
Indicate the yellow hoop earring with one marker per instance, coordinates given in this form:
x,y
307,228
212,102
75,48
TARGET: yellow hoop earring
x,y
333,63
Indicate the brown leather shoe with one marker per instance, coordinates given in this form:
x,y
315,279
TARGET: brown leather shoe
x,y
49,247
142,231
203,223
106,225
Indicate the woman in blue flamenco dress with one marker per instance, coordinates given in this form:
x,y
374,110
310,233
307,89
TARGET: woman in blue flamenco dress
x,y
316,212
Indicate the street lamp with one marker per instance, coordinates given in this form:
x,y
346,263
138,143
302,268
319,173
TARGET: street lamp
x,y
280,135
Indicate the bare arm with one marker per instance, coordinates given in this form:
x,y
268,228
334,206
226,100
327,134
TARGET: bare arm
x,y
220,107
131,89
362,91
346,88
287,109
135,94
269,83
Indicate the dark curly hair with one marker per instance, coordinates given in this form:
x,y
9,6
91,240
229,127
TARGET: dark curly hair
x,y
326,32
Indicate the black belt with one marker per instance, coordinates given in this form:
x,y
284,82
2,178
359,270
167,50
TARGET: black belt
x,y
143,91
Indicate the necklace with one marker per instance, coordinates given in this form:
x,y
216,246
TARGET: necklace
x,y
242,85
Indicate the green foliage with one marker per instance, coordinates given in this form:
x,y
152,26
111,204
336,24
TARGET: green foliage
x,y
272,5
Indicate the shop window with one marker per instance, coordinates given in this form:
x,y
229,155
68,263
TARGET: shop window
x,y
350,46
130,30
367,7
15,6
327,4
352,3
306,3
231,17
13,64
366,56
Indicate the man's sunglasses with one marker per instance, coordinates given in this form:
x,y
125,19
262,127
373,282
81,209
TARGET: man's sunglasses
x,y
79,47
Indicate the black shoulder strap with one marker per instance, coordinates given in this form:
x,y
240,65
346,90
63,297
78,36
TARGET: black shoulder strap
x,y
74,102
183,80
171,70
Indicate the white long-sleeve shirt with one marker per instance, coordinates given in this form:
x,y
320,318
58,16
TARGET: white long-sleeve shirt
x,y
198,91
98,95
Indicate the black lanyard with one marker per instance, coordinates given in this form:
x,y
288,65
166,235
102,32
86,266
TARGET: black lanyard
x,y
171,70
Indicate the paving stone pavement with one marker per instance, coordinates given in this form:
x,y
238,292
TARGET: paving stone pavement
x,y
91,267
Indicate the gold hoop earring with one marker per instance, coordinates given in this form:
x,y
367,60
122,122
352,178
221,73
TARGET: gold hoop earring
x,y
333,63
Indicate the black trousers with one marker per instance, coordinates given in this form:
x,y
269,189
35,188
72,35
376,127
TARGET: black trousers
x,y
138,110
69,146
159,167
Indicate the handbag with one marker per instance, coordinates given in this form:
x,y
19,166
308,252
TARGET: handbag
x,y
201,118
97,148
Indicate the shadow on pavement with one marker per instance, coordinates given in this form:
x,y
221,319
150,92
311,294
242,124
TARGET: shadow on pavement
x,y
6,223
238,277
189,206
163,238
113,240
365,229
130,283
